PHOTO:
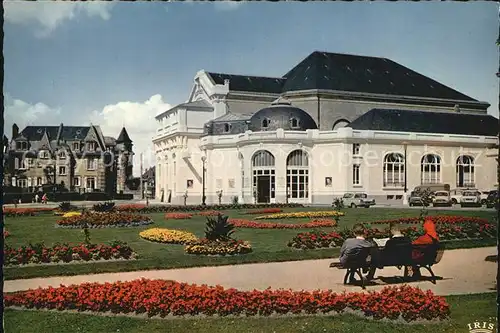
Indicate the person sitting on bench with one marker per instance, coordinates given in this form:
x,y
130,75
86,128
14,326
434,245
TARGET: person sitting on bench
x,y
355,250
430,237
398,248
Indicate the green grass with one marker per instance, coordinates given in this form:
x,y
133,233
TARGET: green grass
x,y
268,245
464,309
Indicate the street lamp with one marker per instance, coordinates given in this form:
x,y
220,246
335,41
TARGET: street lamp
x,y
203,197
405,196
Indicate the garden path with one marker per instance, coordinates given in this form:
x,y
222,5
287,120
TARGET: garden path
x,y
463,271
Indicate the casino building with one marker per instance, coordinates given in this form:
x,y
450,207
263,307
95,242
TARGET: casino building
x,y
335,123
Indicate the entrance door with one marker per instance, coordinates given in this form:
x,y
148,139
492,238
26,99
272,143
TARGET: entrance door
x,y
263,189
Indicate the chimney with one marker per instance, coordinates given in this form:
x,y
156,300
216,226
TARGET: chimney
x,y
15,131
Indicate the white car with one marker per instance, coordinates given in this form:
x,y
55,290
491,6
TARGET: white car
x,y
354,200
456,196
441,198
470,198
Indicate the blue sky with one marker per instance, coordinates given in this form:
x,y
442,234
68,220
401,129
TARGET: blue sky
x,y
120,63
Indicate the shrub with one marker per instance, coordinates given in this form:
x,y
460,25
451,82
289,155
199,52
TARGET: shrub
x,y
163,298
40,254
66,206
104,207
103,220
223,248
218,229
338,203
161,235
178,216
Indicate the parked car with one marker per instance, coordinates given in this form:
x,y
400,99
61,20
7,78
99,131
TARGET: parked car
x,y
441,198
354,200
415,199
493,198
456,196
470,198
484,196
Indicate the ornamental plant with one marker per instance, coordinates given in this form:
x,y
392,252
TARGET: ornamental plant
x,y
213,248
264,211
103,207
437,219
16,212
168,236
6,234
218,229
168,298
141,208
103,220
178,216
210,213
315,214
242,223
40,254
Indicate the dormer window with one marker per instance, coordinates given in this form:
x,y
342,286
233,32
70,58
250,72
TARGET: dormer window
x,y
227,128
294,123
21,145
43,154
265,123
76,145
62,154
91,146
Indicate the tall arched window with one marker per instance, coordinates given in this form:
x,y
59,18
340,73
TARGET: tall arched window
x,y
465,171
263,169
430,169
394,170
297,175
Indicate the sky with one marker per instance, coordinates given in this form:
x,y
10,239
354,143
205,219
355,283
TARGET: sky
x,y
119,64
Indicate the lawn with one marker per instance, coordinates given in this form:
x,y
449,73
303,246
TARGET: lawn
x,y
268,244
464,309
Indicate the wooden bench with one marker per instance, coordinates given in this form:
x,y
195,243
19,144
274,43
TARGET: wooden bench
x,y
432,254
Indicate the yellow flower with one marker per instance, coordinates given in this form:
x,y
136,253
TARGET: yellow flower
x,y
171,236
71,214
294,215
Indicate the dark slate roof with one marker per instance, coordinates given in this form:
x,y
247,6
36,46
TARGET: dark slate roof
x,y
272,85
123,137
345,72
426,122
35,133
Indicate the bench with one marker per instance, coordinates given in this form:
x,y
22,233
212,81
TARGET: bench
x,y
431,255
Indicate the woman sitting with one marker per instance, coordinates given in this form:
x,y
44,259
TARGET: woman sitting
x,y
430,237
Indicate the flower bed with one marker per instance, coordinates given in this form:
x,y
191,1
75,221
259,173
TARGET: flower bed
x,y
169,236
242,223
320,239
15,212
168,298
195,208
438,219
265,211
178,216
104,220
40,254
296,215
6,234
210,213
222,248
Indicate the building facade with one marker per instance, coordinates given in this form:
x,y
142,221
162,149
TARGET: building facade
x,y
335,123
79,159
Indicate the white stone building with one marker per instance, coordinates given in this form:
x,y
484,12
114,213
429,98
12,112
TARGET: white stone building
x,y
333,124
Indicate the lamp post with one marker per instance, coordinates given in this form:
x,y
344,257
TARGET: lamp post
x,y
203,197
405,196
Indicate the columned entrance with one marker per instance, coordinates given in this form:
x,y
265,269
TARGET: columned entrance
x,y
264,177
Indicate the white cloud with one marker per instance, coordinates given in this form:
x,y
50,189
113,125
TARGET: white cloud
x,y
228,5
136,117
48,15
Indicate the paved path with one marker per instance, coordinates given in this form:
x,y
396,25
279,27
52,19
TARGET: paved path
x,y
463,271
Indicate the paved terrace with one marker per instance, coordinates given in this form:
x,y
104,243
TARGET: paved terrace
x,y
462,271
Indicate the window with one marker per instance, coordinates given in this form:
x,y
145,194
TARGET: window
x,y
297,174
91,146
394,170
22,183
355,174
30,162
90,183
76,145
355,148
227,128
92,164
264,176
16,163
348,195
43,154
76,181
294,123
39,181
22,145
465,171
430,169
265,123
62,154
62,170
22,164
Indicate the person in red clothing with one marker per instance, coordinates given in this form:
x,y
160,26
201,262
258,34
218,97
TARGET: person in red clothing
x,y
430,237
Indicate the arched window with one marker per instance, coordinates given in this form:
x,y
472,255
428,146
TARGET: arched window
x,y
430,169
394,170
263,172
465,171
297,175
294,123
265,123
340,123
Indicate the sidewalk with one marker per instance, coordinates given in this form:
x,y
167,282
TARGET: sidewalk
x,y
463,271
